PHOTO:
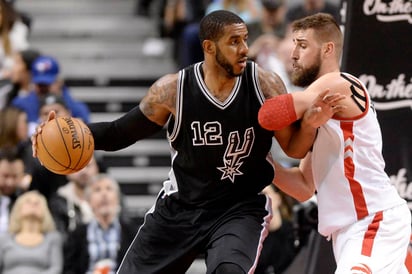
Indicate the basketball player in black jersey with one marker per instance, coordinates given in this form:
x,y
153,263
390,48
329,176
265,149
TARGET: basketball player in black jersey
x,y
211,203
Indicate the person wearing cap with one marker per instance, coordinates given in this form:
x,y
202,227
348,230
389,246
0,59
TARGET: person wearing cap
x,y
45,78
20,74
53,102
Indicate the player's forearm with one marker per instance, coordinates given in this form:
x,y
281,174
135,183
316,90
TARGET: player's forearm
x,y
301,140
123,132
292,182
279,112
297,139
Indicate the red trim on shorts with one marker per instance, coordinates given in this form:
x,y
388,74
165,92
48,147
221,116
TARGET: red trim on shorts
x,y
370,234
349,166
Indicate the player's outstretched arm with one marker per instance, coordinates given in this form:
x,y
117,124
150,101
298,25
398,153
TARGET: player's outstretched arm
x,y
281,111
142,121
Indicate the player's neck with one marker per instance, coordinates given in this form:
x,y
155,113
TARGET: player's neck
x,y
216,81
328,69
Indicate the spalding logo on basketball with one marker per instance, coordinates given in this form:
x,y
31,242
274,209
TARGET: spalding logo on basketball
x,y
65,145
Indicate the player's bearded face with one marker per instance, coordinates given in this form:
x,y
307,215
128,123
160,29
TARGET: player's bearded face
x,y
224,63
304,76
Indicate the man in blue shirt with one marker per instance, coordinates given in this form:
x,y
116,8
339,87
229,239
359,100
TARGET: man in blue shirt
x,y
45,77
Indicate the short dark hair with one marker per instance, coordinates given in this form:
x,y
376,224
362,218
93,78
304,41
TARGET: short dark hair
x,y
212,25
28,56
9,154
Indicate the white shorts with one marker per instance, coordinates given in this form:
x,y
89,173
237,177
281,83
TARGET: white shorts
x,y
376,244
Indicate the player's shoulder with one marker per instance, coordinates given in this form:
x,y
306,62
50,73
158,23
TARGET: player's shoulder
x,y
330,80
166,83
167,79
270,83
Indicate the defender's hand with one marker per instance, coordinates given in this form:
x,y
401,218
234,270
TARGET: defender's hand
x,y
325,106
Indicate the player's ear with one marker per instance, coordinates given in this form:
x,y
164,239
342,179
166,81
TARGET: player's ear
x,y
209,46
328,48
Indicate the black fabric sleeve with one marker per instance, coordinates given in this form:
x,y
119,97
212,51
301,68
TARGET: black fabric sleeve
x,y
123,132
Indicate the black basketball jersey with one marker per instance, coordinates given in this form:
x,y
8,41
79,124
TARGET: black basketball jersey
x,y
220,154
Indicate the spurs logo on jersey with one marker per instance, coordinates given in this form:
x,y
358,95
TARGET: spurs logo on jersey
x,y
218,148
235,153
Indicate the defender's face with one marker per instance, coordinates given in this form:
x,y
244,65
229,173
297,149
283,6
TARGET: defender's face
x,y
232,49
306,58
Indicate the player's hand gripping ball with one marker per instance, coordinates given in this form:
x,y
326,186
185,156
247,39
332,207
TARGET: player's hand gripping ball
x,y
65,145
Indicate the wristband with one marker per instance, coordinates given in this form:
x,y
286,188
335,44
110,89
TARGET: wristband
x,y
277,113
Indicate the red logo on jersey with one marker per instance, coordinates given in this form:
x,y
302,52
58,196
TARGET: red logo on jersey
x,y
361,269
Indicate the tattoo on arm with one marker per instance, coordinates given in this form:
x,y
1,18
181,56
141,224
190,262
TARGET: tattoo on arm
x,y
271,84
160,100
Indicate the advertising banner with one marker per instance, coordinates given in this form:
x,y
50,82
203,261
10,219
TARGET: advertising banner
x,y
378,50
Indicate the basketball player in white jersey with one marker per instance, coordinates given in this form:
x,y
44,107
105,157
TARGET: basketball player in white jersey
x,y
368,222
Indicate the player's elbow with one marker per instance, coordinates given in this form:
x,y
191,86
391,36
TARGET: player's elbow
x,y
305,194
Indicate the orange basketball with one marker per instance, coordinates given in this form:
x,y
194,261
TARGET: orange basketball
x,y
65,145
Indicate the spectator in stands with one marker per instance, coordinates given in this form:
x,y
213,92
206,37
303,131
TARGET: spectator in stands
x,y
53,102
106,238
309,7
32,244
14,135
278,248
69,206
45,76
267,35
25,17
180,22
23,178
270,29
14,36
20,74
10,166
248,10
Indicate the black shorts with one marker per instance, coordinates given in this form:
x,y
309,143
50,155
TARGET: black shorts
x,y
173,236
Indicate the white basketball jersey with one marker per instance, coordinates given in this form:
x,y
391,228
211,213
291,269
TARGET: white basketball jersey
x,y
348,170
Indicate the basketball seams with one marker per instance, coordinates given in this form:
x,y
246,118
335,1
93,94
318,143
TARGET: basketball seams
x,y
59,127
51,156
46,147
79,130
65,140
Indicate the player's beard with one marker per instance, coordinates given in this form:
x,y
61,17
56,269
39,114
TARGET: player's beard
x,y
224,63
305,77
